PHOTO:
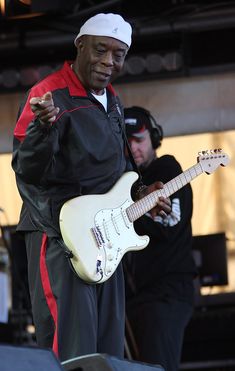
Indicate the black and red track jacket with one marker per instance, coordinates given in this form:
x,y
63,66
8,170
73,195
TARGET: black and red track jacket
x,y
81,153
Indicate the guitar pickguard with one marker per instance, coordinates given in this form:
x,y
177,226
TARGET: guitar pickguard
x,y
112,232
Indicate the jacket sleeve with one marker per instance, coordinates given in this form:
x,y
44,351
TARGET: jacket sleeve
x,y
33,156
33,146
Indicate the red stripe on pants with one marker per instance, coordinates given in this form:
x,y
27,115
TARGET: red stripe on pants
x,y
51,302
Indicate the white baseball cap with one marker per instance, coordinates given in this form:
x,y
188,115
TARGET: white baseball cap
x,y
109,24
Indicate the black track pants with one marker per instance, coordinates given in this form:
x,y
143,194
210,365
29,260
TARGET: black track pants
x,y
72,317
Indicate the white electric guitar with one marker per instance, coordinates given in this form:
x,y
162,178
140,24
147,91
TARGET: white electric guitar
x,y
98,236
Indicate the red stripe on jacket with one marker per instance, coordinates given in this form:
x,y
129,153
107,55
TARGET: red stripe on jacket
x,y
64,78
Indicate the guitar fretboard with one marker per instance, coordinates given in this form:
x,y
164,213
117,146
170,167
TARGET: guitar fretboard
x,y
140,207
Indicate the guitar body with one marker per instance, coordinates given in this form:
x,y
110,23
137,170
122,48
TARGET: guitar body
x,y
97,235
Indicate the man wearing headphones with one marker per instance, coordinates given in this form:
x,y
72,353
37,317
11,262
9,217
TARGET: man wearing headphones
x,y
159,278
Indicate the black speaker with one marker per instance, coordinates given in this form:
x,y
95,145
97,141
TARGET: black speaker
x,y
104,362
14,242
28,359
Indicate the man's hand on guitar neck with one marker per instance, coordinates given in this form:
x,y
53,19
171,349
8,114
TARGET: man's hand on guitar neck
x,y
163,207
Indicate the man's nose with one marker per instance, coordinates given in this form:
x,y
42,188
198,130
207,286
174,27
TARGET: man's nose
x,y
108,58
133,145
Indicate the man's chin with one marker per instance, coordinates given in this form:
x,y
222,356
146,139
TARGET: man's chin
x,y
101,82
138,161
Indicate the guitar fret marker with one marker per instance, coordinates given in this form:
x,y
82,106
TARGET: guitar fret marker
x,y
141,207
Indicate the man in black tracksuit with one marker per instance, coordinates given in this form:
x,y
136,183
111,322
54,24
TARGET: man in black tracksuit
x,y
160,277
68,142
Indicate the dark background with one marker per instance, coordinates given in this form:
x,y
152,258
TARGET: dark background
x,y
42,32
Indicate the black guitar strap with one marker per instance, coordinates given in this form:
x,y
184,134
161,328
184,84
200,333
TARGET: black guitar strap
x,y
139,185
131,156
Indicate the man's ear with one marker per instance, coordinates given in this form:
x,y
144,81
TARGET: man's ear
x,y
79,45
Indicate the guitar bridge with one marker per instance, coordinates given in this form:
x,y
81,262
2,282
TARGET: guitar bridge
x,y
98,236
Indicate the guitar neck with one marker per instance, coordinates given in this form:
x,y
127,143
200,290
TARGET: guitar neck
x,y
142,206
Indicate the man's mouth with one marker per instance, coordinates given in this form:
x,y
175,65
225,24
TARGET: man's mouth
x,y
137,158
103,75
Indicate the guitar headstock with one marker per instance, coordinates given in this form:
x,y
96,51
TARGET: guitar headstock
x,y
211,159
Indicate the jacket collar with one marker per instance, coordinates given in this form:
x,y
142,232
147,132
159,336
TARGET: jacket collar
x,y
74,84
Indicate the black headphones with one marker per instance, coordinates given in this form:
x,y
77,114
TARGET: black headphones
x,y
156,133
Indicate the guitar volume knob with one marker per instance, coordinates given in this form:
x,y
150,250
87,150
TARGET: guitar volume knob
x,y
109,269
109,245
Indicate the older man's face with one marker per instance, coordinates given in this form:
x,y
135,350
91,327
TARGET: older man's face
x,y
99,61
